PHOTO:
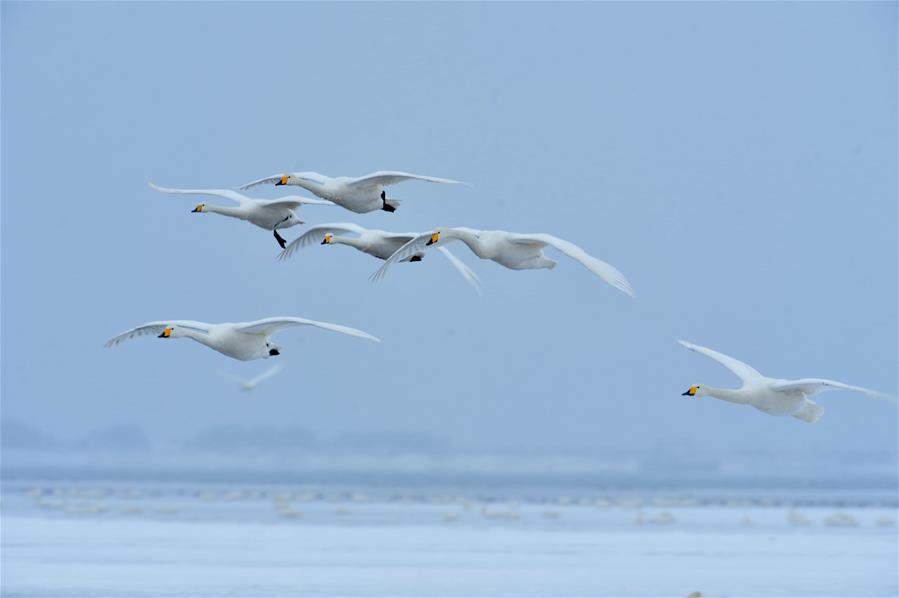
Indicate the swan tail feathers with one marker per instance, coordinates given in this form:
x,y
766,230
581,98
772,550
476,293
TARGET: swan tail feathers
x,y
810,412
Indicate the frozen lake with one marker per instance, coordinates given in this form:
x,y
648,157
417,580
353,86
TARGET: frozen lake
x,y
215,540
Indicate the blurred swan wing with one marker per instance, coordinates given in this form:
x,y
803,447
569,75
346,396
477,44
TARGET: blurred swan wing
x,y
745,372
269,326
316,235
264,375
466,272
604,270
226,193
382,178
156,328
812,386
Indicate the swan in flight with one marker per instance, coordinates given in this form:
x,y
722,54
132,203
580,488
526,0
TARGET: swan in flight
x,y
512,250
771,395
270,214
377,243
253,382
357,194
244,340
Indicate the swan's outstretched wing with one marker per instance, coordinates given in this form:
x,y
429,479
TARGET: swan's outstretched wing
x,y
316,235
382,178
466,272
812,386
269,180
605,271
156,328
743,371
226,193
417,245
293,201
269,326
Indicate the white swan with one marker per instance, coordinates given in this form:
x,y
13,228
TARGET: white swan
x,y
512,250
357,194
253,382
244,340
771,395
377,243
270,214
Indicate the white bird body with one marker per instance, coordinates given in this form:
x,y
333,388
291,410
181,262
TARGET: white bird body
x,y
268,214
515,251
773,396
357,194
247,385
244,341
378,243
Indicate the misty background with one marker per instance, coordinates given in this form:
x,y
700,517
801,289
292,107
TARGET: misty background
x,y
737,162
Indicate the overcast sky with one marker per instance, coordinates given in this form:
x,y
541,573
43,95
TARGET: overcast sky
x,y
737,161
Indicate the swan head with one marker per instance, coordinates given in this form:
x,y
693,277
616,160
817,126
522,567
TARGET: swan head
x,y
167,332
435,236
200,207
329,238
271,350
693,391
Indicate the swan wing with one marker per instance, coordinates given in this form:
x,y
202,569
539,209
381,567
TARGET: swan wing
x,y
604,270
419,244
270,180
382,178
269,326
316,235
745,372
304,201
812,386
466,272
226,193
156,328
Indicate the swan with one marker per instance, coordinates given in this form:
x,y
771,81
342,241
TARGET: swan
x,y
254,382
270,214
377,243
357,194
243,340
512,250
771,395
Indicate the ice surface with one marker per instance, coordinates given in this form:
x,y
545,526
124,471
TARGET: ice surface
x,y
149,541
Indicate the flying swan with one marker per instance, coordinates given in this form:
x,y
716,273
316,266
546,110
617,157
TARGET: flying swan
x,y
244,340
270,214
771,395
377,243
512,250
357,194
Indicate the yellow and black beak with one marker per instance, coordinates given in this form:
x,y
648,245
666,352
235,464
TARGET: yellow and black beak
x,y
200,207
434,238
281,181
327,239
691,392
166,333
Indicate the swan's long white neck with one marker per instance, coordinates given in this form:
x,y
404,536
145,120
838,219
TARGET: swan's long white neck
x,y
179,332
351,241
308,183
234,212
467,237
725,394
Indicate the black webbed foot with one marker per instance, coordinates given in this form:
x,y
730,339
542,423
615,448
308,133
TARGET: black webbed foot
x,y
386,206
280,239
415,258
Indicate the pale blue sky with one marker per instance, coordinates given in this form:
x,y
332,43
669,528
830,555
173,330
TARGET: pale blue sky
x,y
737,161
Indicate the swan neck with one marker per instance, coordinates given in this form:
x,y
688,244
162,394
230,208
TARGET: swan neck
x,y
725,394
351,241
225,210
